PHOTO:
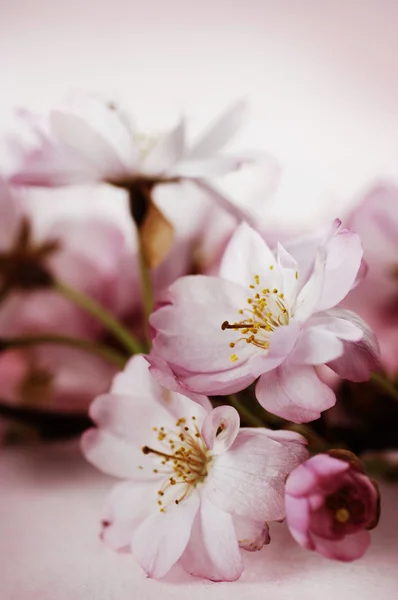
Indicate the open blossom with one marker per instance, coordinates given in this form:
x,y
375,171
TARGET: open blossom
x,y
375,219
270,315
86,139
197,488
331,504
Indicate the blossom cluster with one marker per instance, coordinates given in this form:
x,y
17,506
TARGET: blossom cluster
x,y
206,354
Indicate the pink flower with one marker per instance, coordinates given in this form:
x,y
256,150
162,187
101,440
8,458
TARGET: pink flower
x,y
87,258
375,219
330,505
53,378
273,316
197,486
86,139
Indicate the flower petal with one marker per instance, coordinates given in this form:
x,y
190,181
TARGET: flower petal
x,y
316,346
167,151
223,201
249,479
294,392
213,550
220,428
112,455
188,332
161,539
248,255
163,374
298,520
125,508
343,262
351,547
220,131
95,132
361,357
252,535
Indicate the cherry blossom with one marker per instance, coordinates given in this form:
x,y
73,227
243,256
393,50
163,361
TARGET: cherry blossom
x,y
271,315
197,486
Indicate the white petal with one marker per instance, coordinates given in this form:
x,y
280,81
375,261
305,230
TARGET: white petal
x,y
247,255
220,131
213,550
125,508
167,152
161,539
249,479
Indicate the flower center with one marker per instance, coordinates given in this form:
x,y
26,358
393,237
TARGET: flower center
x,y
266,312
182,457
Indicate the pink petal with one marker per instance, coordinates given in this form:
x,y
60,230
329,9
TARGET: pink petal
x,y
301,482
316,346
310,294
342,323
163,374
167,151
294,392
188,332
112,455
150,401
249,479
248,255
98,137
125,508
213,551
298,520
220,428
220,131
361,357
161,539
349,548
344,257
252,535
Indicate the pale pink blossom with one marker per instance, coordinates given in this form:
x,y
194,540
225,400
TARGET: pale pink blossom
x,y
330,506
86,139
88,258
270,315
54,378
375,219
197,487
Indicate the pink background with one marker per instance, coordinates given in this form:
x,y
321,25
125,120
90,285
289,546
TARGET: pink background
x,y
322,77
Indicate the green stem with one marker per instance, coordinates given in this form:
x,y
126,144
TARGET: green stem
x,y
63,340
245,412
385,385
92,307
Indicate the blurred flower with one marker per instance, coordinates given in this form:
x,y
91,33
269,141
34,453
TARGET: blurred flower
x,y
331,504
197,487
273,316
85,253
57,378
375,219
86,139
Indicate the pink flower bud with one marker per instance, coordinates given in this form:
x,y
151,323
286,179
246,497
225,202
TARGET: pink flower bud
x,y
331,504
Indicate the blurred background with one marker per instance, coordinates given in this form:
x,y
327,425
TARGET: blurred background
x,y
321,77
